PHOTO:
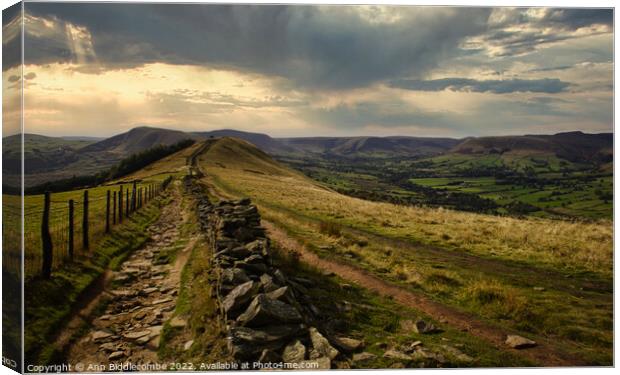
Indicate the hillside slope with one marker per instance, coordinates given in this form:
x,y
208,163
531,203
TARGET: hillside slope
x,y
138,139
572,146
482,264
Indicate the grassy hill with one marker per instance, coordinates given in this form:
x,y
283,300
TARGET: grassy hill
x,y
138,139
53,158
576,147
547,279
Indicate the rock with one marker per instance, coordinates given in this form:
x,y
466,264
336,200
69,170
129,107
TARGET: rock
x,y
100,336
247,343
162,300
143,340
349,344
539,289
363,357
395,354
240,252
264,310
240,296
425,354
281,294
294,352
257,268
422,327
109,347
264,335
267,283
518,342
140,315
257,247
116,355
254,259
187,345
321,345
178,322
136,334
398,365
413,346
147,291
459,355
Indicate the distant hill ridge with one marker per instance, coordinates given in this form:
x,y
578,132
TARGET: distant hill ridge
x,y
572,146
49,158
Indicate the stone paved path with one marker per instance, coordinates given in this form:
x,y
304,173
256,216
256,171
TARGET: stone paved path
x,y
142,298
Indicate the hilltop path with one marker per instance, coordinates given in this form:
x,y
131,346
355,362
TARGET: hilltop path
x,y
142,296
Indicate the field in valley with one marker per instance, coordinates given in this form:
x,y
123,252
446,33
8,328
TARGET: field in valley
x,y
510,184
550,280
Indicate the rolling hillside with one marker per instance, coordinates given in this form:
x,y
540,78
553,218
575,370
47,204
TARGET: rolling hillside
x,y
489,266
138,139
51,158
572,146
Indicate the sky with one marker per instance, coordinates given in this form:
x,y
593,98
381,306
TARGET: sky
x,y
288,71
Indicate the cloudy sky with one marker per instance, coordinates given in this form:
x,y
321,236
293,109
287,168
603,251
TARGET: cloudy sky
x,y
100,69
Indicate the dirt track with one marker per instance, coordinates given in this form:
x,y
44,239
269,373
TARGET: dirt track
x,y
543,354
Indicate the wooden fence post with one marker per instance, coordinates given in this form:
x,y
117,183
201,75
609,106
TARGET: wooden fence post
x,y
126,202
85,243
133,197
46,239
139,198
71,231
120,204
107,212
114,208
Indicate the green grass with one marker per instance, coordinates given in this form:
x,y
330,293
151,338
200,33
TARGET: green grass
x,y
50,303
454,258
355,312
59,211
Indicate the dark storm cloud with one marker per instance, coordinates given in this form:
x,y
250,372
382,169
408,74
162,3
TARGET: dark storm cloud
x,y
577,18
549,86
324,47
11,36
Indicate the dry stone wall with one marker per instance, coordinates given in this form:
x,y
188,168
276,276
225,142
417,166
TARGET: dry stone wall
x,y
268,317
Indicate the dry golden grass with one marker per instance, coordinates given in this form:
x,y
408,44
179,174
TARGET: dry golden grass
x,y
558,243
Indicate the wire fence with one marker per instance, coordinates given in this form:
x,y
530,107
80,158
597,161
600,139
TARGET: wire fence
x,y
62,227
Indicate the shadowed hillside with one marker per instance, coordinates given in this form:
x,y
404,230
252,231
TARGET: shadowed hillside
x,y
138,139
572,146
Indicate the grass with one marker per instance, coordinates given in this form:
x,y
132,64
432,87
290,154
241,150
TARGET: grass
x,y
59,224
482,264
49,303
381,324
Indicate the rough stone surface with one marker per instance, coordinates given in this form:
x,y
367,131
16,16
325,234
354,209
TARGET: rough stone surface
x,y
519,342
238,297
420,326
321,345
395,354
294,352
264,310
